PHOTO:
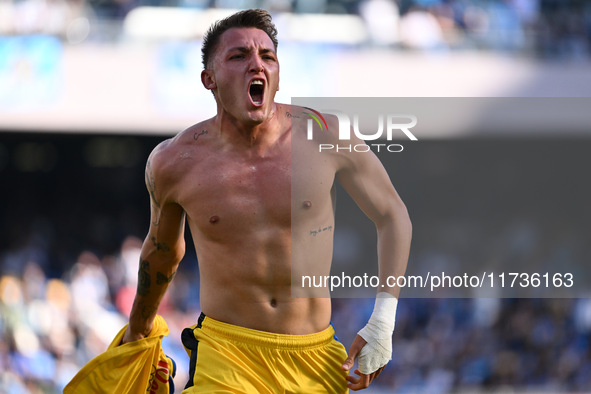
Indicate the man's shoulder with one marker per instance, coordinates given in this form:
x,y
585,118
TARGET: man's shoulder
x,y
313,124
172,154
300,112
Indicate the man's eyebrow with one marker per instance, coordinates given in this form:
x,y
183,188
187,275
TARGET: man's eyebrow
x,y
239,49
248,49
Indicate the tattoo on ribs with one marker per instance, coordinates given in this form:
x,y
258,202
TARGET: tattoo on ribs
x,y
319,230
144,281
162,279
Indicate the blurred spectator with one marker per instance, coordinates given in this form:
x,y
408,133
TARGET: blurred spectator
x,y
382,20
61,18
419,29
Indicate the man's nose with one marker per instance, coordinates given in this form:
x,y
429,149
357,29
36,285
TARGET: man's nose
x,y
256,64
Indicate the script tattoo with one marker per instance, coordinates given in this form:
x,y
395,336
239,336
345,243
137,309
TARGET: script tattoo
x,y
320,230
290,115
197,135
144,281
162,279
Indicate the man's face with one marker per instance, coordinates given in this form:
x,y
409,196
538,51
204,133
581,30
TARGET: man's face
x,y
244,74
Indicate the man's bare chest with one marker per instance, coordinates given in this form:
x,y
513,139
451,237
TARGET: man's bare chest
x,y
239,193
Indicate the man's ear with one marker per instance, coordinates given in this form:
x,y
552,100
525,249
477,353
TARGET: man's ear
x,y
208,79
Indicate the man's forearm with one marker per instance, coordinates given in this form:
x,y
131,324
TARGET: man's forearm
x,y
394,238
155,273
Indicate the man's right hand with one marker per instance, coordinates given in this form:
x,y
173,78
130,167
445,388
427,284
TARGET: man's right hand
x,y
131,337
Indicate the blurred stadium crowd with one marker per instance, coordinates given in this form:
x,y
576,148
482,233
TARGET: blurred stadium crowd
x,y
547,28
51,326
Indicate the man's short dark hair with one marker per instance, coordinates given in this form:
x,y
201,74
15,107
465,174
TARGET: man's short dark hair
x,y
257,18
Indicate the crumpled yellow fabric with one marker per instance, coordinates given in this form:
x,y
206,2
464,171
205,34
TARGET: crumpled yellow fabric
x,y
135,367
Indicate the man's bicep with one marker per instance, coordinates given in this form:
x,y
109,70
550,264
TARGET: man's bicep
x,y
366,180
155,205
167,219
167,227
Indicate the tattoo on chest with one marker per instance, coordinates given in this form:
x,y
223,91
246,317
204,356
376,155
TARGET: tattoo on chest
x,y
319,230
197,135
290,115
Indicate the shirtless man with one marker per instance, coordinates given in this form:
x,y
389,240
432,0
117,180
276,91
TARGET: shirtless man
x,y
232,178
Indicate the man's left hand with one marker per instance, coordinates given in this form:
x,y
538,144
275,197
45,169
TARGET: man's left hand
x,y
362,381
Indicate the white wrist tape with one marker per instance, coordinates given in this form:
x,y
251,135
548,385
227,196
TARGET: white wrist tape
x,y
378,334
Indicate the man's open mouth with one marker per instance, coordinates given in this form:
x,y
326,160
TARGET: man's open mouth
x,y
256,90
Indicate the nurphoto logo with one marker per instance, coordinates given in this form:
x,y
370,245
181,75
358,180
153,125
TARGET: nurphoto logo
x,y
392,125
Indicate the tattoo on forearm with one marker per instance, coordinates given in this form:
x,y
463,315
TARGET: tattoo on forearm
x,y
144,281
147,311
160,246
319,230
197,135
162,279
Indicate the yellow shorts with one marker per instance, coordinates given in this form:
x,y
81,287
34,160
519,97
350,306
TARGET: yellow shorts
x,y
231,359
